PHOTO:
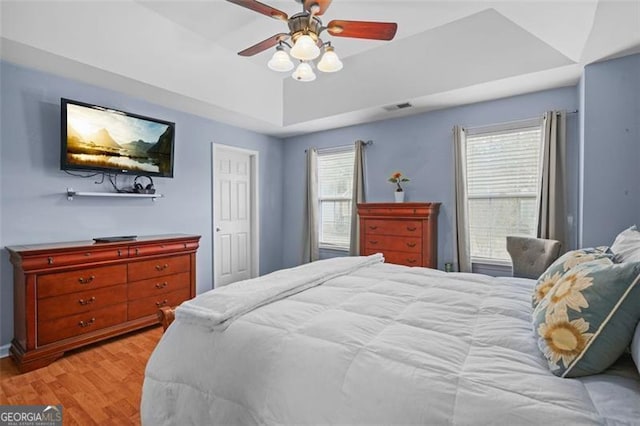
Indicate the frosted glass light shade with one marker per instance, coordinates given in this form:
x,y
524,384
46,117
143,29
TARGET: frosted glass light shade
x,y
280,61
304,73
330,62
305,48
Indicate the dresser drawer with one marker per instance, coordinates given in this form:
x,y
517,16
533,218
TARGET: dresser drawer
x,y
80,280
50,331
89,255
160,285
158,267
161,248
83,301
150,305
388,242
398,257
393,227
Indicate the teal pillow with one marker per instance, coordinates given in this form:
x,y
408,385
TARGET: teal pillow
x,y
561,265
586,321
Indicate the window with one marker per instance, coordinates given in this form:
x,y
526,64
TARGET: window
x,y
503,173
335,186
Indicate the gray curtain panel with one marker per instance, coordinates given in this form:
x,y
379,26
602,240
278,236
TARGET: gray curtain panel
x,y
357,197
552,223
462,245
311,237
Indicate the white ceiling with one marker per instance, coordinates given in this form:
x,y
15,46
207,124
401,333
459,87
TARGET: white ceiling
x,y
183,54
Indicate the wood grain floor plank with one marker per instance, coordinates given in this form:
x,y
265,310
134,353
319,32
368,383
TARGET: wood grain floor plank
x,y
99,384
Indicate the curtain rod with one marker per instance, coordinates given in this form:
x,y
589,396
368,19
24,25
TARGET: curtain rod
x,y
513,122
337,148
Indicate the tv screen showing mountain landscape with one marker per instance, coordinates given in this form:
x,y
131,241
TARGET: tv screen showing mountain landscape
x,y
104,139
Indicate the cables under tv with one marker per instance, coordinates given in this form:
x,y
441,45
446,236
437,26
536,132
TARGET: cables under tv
x,y
113,179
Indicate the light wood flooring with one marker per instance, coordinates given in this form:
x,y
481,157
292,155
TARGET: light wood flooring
x,y
98,384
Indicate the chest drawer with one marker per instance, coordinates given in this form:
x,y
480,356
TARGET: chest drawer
x,y
150,305
408,228
158,267
387,242
399,257
160,285
80,280
53,330
83,301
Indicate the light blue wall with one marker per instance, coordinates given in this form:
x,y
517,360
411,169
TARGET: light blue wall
x,y
610,146
33,208
421,147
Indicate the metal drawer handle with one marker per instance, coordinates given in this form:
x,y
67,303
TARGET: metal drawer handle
x,y
411,244
373,227
411,228
87,302
411,260
373,241
86,324
50,260
161,285
86,280
161,267
87,254
164,302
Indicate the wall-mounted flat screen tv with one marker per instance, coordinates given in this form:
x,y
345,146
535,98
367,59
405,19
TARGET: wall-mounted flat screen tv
x,y
103,139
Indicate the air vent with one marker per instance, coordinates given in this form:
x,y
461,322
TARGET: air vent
x,y
398,106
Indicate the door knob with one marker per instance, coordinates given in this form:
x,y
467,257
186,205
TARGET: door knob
x,y
218,229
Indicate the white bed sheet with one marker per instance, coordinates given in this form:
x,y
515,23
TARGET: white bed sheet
x,y
385,344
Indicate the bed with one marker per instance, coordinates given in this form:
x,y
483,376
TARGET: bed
x,y
360,341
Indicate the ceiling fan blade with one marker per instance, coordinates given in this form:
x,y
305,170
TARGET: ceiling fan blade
x,y
322,5
363,29
264,45
261,8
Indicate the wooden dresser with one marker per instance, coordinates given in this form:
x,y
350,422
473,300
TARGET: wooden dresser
x,y
68,295
405,233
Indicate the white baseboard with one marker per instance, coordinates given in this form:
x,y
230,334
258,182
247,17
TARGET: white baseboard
x,y
4,351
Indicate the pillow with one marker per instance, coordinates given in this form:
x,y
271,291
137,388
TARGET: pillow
x,y
561,265
587,320
626,246
635,347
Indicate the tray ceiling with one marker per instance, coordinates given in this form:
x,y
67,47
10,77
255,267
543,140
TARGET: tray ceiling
x,y
183,54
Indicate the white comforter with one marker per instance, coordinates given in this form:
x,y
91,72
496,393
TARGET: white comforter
x,y
377,344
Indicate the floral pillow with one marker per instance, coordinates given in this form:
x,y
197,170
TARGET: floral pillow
x,y
561,265
587,320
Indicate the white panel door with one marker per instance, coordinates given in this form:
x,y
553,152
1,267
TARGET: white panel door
x,y
232,216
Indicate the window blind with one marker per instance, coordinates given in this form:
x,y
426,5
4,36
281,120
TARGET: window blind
x,y
335,186
503,172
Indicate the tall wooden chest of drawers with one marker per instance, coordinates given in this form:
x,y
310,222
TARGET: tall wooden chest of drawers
x,y
405,233
68,295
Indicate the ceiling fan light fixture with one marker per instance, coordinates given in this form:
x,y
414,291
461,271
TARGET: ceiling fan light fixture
x,y
330,61
304,72
305,48
303,37
280,61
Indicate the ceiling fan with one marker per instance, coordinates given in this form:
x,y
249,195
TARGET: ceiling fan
x,y
304,31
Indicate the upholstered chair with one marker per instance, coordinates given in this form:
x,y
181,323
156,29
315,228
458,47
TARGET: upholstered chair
x,y
531,256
